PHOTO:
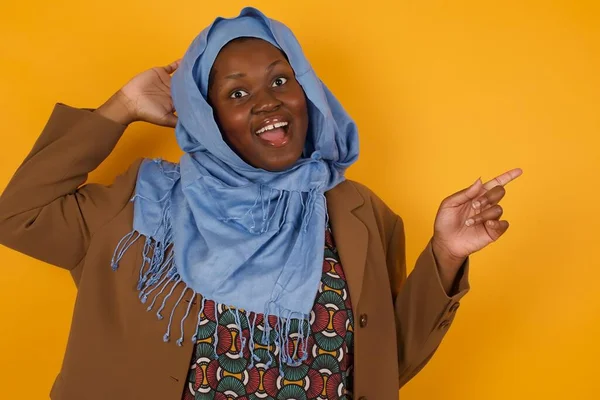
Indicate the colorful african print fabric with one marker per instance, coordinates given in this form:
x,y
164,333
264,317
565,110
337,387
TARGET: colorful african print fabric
x,y
325,374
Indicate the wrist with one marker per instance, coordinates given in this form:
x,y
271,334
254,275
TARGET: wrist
x,y
448,265
447,262
117,109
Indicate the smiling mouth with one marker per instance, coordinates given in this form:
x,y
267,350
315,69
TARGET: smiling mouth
x,y
274,134
271,127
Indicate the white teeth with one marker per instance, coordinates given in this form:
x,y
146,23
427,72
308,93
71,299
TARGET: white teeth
x,y
271,127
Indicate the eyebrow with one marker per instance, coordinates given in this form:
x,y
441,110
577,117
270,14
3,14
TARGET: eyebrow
x,y
239,75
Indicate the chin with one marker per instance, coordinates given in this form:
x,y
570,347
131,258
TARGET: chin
x,y
278,167
281,163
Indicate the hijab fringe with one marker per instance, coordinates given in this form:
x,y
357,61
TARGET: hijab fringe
x,y
285,332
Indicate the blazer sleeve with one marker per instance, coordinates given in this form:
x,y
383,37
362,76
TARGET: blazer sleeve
x,y
45,212
423,310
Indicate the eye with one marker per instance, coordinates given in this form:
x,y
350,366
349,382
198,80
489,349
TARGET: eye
x,y
279,81
238,94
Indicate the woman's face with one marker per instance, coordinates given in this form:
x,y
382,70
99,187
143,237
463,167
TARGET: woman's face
x,y
258,104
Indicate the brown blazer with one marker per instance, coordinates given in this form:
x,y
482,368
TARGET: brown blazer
x,y
46,213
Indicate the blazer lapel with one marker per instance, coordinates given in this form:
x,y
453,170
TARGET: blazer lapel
x,y
350,235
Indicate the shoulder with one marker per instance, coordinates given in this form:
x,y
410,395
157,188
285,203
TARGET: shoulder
x,y
154,178
158,166
371,198
368,207
157,173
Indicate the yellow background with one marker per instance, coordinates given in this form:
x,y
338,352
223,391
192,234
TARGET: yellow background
x,y
442,91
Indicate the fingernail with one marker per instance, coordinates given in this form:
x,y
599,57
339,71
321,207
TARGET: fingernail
x,y
470,222
490,222
476,204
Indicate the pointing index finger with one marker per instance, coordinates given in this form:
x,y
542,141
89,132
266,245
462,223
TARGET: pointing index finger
x,y
504,179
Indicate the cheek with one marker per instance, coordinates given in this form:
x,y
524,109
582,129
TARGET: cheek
x,y
297,103
234,123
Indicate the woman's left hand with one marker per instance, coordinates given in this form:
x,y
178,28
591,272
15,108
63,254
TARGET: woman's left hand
x,y
468,221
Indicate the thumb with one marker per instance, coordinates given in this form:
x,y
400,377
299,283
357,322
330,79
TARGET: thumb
x,y
170,120
473,190
465,195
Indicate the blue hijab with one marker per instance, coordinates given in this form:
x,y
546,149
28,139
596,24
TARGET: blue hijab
x,y
243,237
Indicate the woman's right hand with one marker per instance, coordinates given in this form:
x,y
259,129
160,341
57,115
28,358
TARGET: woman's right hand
x,y
146,97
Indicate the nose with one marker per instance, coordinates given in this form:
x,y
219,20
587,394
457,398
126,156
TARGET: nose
x,y
265,102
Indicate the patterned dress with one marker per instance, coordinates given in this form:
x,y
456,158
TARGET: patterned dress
x,y
325,374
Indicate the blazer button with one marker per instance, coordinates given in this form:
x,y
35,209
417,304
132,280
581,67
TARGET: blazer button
x,y
363,322
454,307
444,324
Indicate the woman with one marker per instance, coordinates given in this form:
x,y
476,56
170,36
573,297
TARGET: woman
x,y
233,248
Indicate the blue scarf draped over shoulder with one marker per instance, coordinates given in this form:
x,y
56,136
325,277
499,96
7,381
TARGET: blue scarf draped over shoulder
x,y
238,235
